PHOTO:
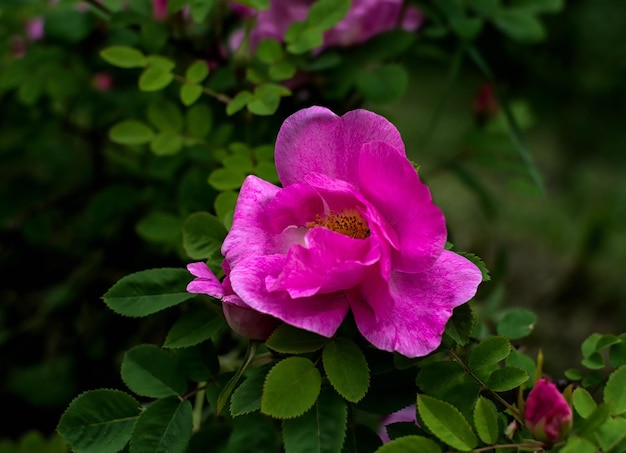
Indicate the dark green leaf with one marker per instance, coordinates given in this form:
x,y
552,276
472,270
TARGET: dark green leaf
x,y
520,25
617,352
283,70
346,369
203,235
252,433
166,143
383,84
193,328
436,377
516,323
238,102
165,116
150,371
490,351
226,179
199,121
247,397
446,422
160,227
164,427
291,340
461,324
146,292
267,98
410,444
479,263
99,421
506,378
612,435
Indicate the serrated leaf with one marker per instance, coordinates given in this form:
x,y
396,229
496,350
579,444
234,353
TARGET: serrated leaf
x,y
131,132
193,328
346,369
203,234
99,421
617,352
490,351
612,435
486,421
155,78
460,326
614,393
583,402
437,377
594,420
199,120
146,292
383,84
124,57
247,397
446,423
166,143
321,429
410,444
287,339
238,102
164,427
291,388
506,378
149,371
189,94
520,360
576,444
197,71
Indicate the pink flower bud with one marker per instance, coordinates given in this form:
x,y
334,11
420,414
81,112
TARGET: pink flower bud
x,y
159,9
548,415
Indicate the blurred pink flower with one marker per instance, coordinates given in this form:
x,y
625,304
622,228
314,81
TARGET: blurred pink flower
x,y
35,28
102,81
365,19
408,414
352,228
548,416
159,9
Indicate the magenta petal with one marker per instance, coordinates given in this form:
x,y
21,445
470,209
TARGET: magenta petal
x,y
392,185
322,313
295,205
408,314
206,283
317,140
249,235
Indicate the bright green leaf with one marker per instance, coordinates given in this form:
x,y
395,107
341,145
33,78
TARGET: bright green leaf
x,y
165,116
154,78
238,102
321,429
614,393
164,427
589,345
131,132
189,94
291,388
517,323
611,435
506,378
269,51
99,421
226,179
193,328
161,62
583,402
146,292
283,70
267,98
291,340
346,369
166,143
488,352
594,362
576,444
410,444
197,71
150,371
486,421
259,5
446,423
124,57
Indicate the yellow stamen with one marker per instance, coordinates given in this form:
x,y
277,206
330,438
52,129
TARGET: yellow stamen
x,y
347,222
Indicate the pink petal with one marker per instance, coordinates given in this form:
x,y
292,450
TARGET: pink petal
x,y
206,283
392,185
249,235
322,313
330,262
317,140
295,205
408,314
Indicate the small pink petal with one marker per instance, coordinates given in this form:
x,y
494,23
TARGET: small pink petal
x,y
206,282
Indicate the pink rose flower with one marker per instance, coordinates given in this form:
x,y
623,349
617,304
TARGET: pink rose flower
x,y
548,416
365,19
352,228
35,28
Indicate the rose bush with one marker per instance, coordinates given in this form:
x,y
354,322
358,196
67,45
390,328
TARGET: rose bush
x,y
352,228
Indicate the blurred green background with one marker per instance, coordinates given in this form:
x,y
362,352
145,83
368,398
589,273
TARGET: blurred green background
x,y
71,205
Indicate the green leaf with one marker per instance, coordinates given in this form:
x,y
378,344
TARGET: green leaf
x,y
154,78
437,377
291,340
165,116
300,38
589,346
612,434
197,71
251,433
520,25
460,326
146,292
283,70
193,328
226,179
150,371
583,402
124,57
490,351
199,121
594,420
578,445
446,423
466,28
131,132
225,207
384,84
325,14
189,94
166,143
410,444
161,62
594,362
346,369
266,99
540,6
291,388
99,421
573,374
520,360
247,397
159,227
321,429
164,427
269,51
614,393
203,235
486,421
238,102
617,352
506,378
259,5
200,9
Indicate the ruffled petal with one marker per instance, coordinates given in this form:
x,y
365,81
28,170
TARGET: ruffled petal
x,y
206,282
322,313
295,205
408,314
391,184
317,140
249,235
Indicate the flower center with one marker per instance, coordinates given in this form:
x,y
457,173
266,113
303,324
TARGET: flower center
x,y
347,222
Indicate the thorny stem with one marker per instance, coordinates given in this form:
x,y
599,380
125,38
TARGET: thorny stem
x,y
219,96
514,411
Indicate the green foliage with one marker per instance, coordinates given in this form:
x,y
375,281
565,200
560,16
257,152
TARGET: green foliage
x,y
446,423
614,394
247,397
291,340
165,426
346,369
131,132
194,327
124,57
486,421
410,444
150,371
516,323
489,352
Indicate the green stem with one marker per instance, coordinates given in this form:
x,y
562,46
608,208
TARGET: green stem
x,y
224,395
198,406
219,96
